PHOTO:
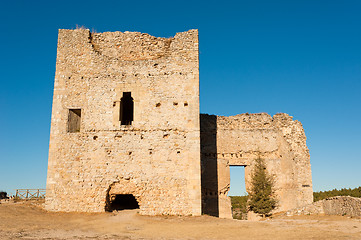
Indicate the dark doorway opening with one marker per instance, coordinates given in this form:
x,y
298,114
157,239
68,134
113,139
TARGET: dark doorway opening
x,y
123,201
126,109
209,165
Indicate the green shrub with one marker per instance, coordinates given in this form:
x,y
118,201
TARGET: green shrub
x,y
3,195
239,202
239,207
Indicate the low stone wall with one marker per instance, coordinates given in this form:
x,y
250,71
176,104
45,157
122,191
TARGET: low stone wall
x,y
340,205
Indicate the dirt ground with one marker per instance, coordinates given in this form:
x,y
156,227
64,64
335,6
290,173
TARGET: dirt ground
x,y
27,220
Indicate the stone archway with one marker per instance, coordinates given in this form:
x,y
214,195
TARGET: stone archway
x,y
121,195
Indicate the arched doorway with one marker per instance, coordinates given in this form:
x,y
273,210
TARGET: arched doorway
x,y
122,194
121,202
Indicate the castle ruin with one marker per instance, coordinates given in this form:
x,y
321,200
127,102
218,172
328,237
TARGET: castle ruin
x,y
126,131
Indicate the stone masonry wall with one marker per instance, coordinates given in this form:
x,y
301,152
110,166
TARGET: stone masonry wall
x,y
339,205
157,157
238,141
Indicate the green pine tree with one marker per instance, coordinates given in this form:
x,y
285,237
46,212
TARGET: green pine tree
x,y
261,198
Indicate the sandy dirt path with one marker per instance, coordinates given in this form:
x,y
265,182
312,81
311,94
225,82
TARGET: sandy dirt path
x,y
25,220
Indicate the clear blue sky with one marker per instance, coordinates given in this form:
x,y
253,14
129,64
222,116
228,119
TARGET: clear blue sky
x,y
299,57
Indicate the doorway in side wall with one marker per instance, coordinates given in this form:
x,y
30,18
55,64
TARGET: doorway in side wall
x,y
238,193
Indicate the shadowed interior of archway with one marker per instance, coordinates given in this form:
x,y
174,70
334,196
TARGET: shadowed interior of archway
x,y
123,201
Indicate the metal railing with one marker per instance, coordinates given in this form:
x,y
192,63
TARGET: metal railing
x,y
30,193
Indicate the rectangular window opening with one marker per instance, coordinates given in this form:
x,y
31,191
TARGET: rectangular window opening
x,y
74,120
126,109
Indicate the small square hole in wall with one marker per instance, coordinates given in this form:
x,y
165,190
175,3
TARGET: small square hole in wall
x,y
74,120
185,104
157,105
175,103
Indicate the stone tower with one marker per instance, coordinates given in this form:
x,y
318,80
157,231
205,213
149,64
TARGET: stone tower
x,y
125,123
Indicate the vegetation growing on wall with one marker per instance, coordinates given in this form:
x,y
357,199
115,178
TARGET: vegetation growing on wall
x,y
355,192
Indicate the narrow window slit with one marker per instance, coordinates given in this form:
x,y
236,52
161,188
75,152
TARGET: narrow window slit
x,y
126,109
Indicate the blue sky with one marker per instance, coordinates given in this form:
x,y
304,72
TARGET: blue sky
x,y
298,57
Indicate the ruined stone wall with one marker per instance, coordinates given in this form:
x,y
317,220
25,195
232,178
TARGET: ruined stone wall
x,y
339,205
157,157
239,140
